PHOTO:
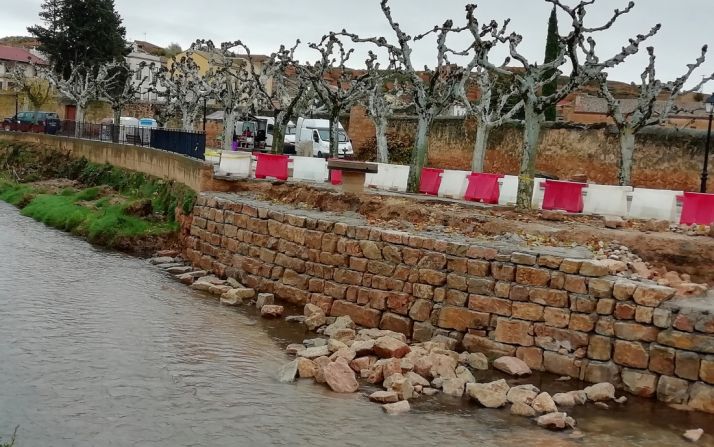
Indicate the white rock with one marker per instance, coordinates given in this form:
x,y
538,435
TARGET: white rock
x,y
600,392
522,409
475,360
523,394
344,322
288,372
490,395
313,353
693,435
463,373
264,299
556,421
416,379
340,377
454,387
397,408
543,403
512,365
384,397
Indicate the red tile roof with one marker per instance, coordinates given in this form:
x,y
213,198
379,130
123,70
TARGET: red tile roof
x,y
19,55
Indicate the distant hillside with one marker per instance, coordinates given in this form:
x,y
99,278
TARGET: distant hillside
x,y
26,42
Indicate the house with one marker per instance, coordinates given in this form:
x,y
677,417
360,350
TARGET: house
x,y
10,57
151,64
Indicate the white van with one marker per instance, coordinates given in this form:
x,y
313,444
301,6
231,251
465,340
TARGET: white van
x,y
257,134
312,139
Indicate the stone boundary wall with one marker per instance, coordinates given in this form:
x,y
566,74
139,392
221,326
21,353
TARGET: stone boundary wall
x,y
564,316
195,174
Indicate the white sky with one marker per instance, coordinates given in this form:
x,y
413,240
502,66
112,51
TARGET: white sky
x,y
264,25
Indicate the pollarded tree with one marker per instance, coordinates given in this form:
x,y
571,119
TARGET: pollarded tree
x,y
498,103
277,87
337,86
530,79
184,88
82,86
433,90
123,89
648,111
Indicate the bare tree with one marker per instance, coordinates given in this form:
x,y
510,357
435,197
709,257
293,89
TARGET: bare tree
x,y
36,88
122,90
433,90
530,78
647,111
498,103
81,86
278,87
184,88
337,86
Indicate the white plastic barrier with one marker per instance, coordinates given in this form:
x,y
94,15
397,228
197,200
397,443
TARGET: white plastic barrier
x,y
538,192
213,156
606,200
310,168
453,184
236,163
654,204
389,177
509,190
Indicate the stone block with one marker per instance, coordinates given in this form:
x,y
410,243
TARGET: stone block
x,y
433,277
706,371
432,261
623,290
605,326
481,286
632,354
594,269
479,268
490,305
701,397
625,311
685,321
532,276
458,265
644,314
399,302
687,365
515,332
662,360
477,252
556,317
519,293
600,348
561,364
524,258
605,306
652,295
635,332
363,316
571,265
689,342
456,281
601,372
531,356
582,303
422,332
420,310
582,322
601,287
502,289
557,280
549,297
462,319
492,349
527,311
396,323
550,261
456,298
575,340
705,324
671,390
502,271
640,383
576,284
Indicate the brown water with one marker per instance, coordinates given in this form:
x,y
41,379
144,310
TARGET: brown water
x,y
101,349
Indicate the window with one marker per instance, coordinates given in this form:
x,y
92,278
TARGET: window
x,y
138,75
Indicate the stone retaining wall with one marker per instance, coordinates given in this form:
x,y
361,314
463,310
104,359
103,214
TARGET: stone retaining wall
x,y
558,314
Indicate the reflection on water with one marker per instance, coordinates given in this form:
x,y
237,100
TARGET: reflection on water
x,y
100,349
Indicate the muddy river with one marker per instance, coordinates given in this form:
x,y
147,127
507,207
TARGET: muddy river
x,y
101,349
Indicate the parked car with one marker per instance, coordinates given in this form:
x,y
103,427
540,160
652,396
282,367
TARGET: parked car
x,y
312,139
38,122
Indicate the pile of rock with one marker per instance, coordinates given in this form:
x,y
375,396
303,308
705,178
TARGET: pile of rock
x,y
406,372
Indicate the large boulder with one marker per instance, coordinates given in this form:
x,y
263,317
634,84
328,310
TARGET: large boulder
x,y
388,347
556,421
512,366
401,385
384,397
522,393
314,317
442,366
288,372
321,363
397,408
340,377
543,403
306,368
522,409
490,395
463,373
363,347
343,322
264,299
272,311
313,353
600,392
475,360
236,297
453,387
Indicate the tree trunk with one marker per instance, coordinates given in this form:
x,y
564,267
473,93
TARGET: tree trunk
x,y
117,123
627,150
334,130
478,163
229,125
380,125
281,122
79,122
421,144
187,119
531,134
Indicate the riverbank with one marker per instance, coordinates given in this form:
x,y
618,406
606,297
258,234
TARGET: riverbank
x,y
108,206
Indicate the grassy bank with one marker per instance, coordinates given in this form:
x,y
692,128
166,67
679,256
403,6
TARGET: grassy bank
x,y
108,206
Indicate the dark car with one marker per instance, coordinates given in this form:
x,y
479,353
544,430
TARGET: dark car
x,y
38,122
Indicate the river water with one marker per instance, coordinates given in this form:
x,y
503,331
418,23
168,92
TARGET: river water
x,y
101,349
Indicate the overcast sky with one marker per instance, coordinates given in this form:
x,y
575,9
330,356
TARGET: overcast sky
x,y
264,25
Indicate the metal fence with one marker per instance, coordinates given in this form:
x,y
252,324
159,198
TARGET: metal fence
x,y
188,143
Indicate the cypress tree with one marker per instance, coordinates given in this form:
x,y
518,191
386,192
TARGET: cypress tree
x,y
88,32
551,53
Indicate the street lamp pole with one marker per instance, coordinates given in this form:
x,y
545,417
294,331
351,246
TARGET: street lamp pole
x,y
709,107
204,113
17,104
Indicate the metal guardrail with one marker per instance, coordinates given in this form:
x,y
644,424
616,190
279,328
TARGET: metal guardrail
x,y
189,143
